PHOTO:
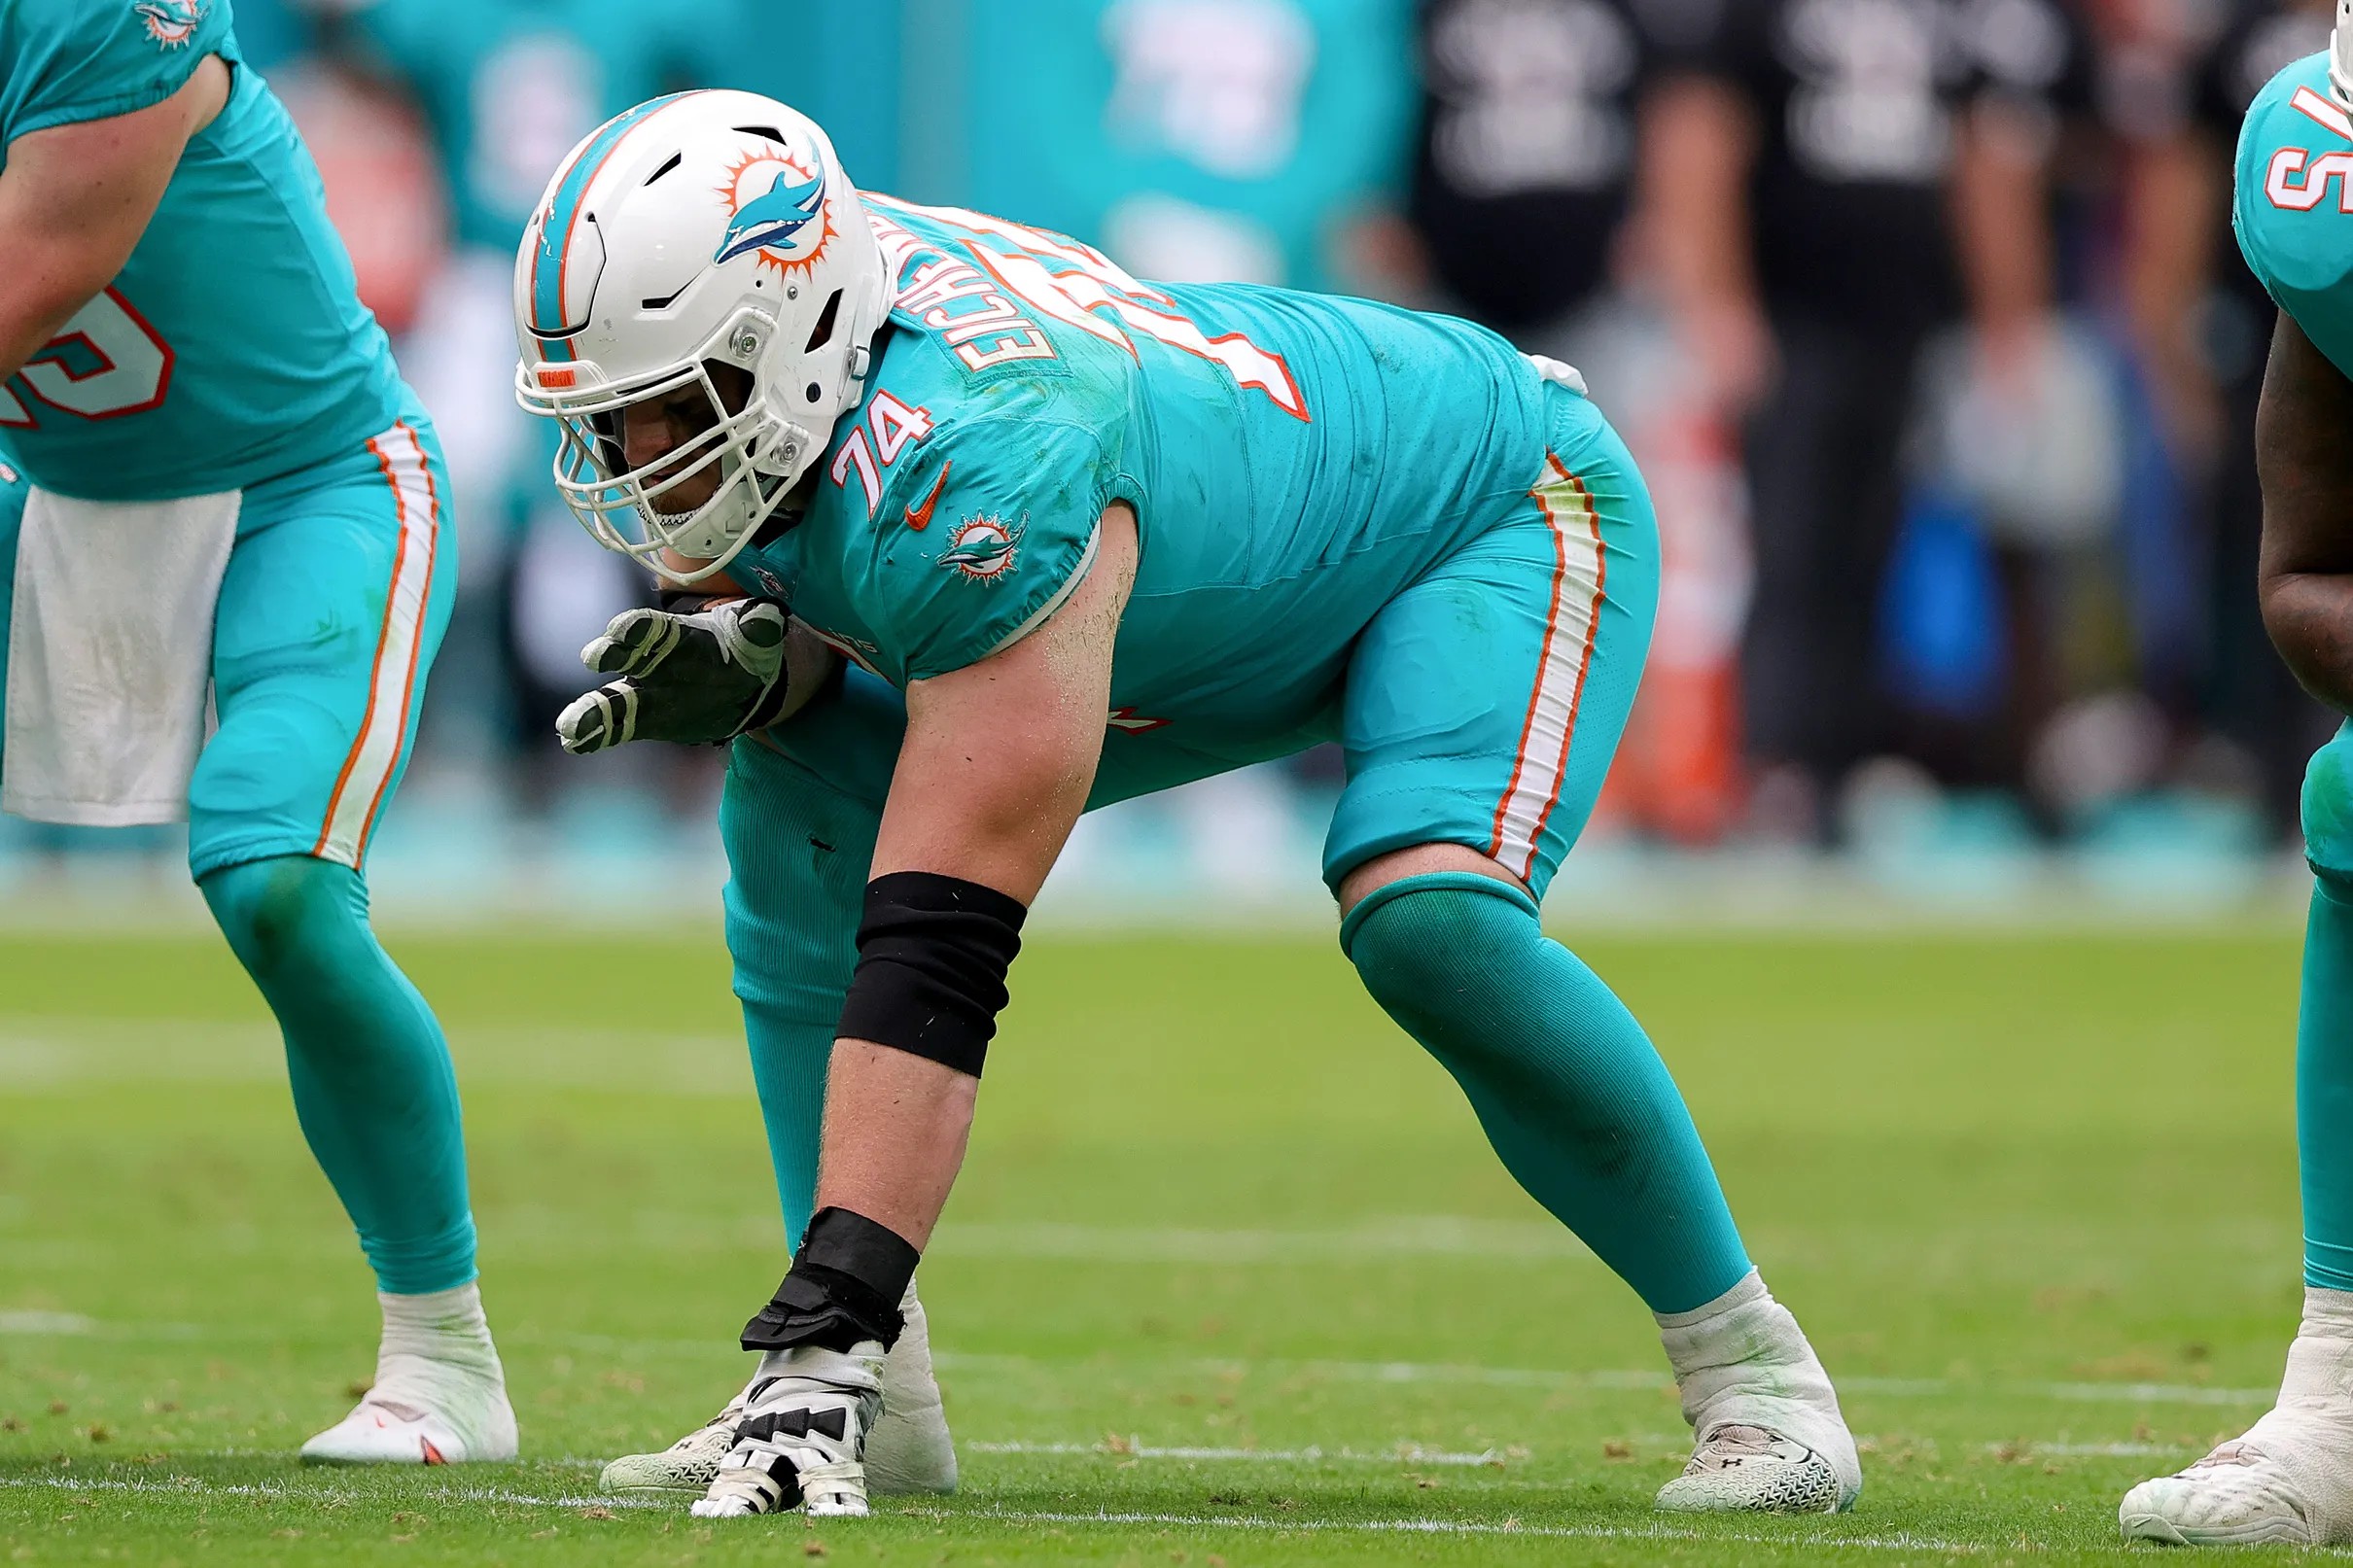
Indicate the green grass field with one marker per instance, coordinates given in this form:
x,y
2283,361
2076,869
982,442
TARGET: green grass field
x,y
1231,1279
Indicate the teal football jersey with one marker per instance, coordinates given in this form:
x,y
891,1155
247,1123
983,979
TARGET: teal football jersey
x,y
1294,461
232,346
2294,206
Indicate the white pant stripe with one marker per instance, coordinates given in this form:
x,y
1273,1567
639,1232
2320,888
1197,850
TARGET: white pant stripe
x,y
375,755
1579,578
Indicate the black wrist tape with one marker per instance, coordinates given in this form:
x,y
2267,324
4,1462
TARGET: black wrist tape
x,y
932,953
688,600
844,1288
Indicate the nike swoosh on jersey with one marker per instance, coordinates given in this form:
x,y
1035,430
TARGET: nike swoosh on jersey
x,y
919,518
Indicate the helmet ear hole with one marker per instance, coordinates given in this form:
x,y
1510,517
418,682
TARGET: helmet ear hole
x,y
816,393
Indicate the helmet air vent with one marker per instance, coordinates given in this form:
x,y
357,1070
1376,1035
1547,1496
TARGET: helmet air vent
x,y
675,159
770,133
823,332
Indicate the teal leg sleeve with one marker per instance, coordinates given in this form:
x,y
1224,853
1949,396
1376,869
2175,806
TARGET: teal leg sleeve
x,y
1572,1096
798,818
2324,1025
372,1084
789,1060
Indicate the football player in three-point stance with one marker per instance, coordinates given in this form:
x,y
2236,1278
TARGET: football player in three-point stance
x,y
232,488
2290,1477
1014,493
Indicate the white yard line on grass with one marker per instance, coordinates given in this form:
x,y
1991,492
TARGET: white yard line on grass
x,y
190,1487
1900,1541
1897,1542
2095,1451
1422,1371
1432,1236
1312,1454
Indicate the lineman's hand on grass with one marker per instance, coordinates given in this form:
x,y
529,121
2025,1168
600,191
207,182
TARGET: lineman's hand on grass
x,y
695,678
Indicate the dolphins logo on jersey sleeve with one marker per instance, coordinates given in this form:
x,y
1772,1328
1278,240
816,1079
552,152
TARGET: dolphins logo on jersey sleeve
x,y
778,210
982,548
171,24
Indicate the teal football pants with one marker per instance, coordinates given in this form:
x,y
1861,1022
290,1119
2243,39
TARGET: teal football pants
x,y
1483,706
334,600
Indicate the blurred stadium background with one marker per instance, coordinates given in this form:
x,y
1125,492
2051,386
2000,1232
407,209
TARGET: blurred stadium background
x,y
1924,316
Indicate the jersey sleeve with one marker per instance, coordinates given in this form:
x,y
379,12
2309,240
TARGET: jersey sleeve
x,y
981,534
2287,208
75,60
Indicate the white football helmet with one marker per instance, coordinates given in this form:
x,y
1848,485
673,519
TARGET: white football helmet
x,y
2340,56
703,228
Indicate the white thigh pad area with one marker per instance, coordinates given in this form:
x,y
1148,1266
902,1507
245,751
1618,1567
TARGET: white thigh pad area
x,y
109,657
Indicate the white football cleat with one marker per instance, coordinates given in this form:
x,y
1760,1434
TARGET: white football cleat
x,y
2290,1478
1771,1438
684,1469
802,1438
387,1429
908,1452
440,1396
2253,1490
1742,1468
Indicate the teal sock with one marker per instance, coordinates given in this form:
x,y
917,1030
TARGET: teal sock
x,y
2324,1087
1574,1098
373,1085
2323,1020
789,1061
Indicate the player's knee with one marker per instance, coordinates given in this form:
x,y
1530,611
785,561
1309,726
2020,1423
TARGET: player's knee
x,y
286,912
2328,814
1431,946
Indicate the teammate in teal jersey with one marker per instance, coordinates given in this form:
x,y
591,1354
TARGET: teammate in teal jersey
x,y
977,459
230,488
2290,1477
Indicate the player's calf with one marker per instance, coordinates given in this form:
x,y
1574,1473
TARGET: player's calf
x,y
1586,1116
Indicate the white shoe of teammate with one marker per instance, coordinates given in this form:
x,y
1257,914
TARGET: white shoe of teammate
x,y
802,1438
908,1451
2290,1478
1771,1438
440,1396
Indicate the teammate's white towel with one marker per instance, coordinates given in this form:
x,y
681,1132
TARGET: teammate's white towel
x,y
110,654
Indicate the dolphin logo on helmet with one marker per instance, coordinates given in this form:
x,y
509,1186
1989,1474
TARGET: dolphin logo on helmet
x,y
624,294
773,218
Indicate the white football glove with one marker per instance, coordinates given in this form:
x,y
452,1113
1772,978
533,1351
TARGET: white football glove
x,y
695,678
